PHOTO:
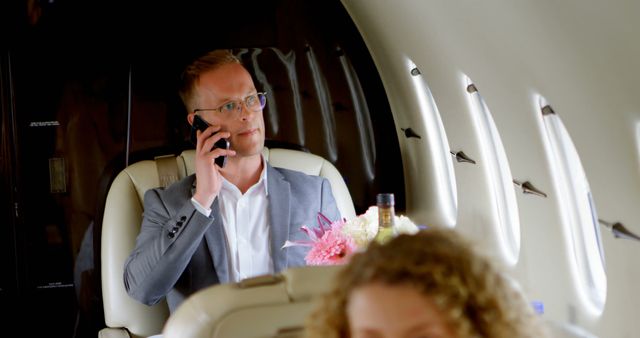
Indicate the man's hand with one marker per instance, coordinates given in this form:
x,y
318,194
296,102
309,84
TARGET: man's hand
x,y
208,177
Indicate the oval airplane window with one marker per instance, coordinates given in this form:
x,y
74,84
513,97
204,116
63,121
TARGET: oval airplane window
x,y
498,174
441,178
578,211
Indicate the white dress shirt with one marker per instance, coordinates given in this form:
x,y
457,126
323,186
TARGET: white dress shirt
x,y
245,223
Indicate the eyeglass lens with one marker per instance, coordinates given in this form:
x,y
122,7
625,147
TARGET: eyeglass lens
x,y
252,102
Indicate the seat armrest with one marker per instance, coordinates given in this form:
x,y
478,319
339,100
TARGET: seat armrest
x,y
113,333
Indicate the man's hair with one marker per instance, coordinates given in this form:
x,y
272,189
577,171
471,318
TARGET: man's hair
x,y
191,74
476,299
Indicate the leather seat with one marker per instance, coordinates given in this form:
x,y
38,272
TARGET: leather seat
x,y
269,306
121,223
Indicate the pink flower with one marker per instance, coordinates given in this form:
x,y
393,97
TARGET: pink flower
x,y
333,242
329,245
334,247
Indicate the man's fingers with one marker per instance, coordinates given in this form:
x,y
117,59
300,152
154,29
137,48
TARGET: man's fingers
x,y
212,155
209,142
203,135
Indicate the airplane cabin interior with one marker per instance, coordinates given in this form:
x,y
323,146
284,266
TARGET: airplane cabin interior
x,y
516,123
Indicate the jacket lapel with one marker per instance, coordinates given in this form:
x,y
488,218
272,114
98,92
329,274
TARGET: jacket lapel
x,y
217,244
278,213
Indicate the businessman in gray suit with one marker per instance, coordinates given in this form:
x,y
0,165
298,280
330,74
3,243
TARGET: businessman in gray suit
x,y
223,224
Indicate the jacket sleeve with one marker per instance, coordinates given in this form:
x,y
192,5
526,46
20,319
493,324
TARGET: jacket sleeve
x,y
164,247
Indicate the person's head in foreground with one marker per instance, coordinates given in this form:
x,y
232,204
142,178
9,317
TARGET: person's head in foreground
x,y
428,285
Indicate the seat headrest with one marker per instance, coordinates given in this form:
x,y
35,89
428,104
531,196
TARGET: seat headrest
x,y
304,283
273,305
307,163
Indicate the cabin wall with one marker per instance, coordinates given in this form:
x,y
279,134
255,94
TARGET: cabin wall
x,y
583,58
91,86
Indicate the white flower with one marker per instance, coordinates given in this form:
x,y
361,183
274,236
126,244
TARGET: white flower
x,y
363,229
404,225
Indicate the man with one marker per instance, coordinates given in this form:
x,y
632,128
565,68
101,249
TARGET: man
x,y
223,224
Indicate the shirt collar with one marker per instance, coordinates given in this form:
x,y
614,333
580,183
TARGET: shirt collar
x,y
263,179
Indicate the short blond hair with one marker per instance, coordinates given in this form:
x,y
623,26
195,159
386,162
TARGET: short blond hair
x,y
193,71
474,296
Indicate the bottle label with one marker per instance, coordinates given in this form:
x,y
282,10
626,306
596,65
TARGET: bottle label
x,y
386,217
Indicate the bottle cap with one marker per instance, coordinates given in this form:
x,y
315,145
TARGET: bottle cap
x,y
385,199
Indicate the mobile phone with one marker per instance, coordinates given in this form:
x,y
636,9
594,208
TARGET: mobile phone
x,y
202,125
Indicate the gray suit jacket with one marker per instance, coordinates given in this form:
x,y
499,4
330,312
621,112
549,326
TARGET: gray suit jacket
x,y
180,251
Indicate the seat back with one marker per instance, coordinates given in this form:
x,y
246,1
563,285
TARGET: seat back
x,y
307,163
269,306
121,224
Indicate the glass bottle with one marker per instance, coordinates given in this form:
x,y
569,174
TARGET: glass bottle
x,y
386,216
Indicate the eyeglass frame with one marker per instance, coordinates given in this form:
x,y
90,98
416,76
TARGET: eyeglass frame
x,y
243,103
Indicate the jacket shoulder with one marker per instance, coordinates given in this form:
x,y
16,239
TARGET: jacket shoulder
x,y
294,175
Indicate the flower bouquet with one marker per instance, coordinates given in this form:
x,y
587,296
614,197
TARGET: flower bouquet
x,y
333,242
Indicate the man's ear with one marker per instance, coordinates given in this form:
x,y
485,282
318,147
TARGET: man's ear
x,y
190,118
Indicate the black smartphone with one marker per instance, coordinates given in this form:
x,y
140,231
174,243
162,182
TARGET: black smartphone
x,y
202,125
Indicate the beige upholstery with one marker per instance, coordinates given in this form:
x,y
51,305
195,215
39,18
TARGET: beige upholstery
x,y
121,224
276,308
307,163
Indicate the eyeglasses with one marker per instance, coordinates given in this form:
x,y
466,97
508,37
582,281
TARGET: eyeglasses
x,y
254,103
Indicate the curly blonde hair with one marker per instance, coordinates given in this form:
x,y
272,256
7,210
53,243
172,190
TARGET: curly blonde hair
x,y
474,296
